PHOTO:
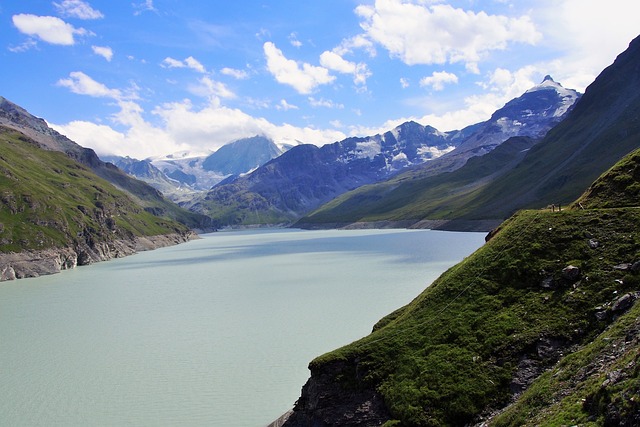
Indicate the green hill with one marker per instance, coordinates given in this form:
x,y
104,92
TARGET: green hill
x,y
48,200
540,321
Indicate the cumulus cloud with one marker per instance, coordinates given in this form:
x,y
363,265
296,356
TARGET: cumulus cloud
x,y
77,9
235,73
285,106
104,51
183,127
49,29
417,33
81,84
335,62
304,78
189,62
211,89
438,80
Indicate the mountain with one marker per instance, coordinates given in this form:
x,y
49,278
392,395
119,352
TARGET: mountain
x,y
17,118
532,115
537,327
600,129
307,176
242,156
145,171
56,213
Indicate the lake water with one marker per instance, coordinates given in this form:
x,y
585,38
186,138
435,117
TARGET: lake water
x,y
214,332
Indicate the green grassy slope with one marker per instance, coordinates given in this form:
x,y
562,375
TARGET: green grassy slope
x,y
48,200
493,323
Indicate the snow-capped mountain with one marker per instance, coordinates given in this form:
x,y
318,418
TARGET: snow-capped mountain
x,y
532,114
180,175
307,176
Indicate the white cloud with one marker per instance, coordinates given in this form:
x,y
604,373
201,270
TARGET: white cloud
x,y
189,62
335,62
235,73
77,9
325,103
211,89
357,42
48,28
285,106
194,64
304,78
184,127
81,84
145,6
404,82
438,80
293,39
420,34
104,51
588,34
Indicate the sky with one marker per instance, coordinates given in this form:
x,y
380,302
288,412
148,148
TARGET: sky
x,y
148,78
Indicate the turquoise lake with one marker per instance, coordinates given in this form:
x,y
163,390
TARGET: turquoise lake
x,y
214,332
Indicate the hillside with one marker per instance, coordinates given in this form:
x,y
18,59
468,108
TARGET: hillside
x,y
50,202
17,118
541,319
602,127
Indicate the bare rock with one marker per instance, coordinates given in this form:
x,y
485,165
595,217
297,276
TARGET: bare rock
x,y
571,273
623,303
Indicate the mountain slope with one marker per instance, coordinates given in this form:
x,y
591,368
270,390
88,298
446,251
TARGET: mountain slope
x,y
602,127
242,155
546,285
309,176
15,117
51,202
404,200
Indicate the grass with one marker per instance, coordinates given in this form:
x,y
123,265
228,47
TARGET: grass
x,y
48,200
491,324
451,354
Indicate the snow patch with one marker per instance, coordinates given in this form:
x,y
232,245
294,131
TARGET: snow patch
x,y
368,149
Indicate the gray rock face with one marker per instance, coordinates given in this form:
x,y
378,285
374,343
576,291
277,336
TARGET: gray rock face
x,y
324,402
51,261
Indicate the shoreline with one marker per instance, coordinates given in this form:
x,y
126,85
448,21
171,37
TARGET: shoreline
x,y
432,224
29,264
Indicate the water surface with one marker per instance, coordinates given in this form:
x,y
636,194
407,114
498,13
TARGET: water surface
x,y
214,332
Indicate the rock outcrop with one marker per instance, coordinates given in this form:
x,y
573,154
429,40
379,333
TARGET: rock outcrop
x,y
51,261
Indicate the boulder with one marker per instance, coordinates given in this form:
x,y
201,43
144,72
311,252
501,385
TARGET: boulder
x,y
571,273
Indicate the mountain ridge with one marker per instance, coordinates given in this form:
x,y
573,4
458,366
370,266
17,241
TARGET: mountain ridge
x,y
600,129
306,176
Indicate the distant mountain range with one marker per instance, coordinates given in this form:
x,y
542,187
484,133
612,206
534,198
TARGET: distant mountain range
x,y
305,177
179,176
601,128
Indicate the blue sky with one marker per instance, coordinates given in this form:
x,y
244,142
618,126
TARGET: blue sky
x,y
152,77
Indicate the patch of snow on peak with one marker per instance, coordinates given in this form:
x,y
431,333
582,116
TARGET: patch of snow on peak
x,y
427,152
369,149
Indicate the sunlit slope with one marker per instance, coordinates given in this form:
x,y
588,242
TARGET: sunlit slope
x,y
48,200
546,285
